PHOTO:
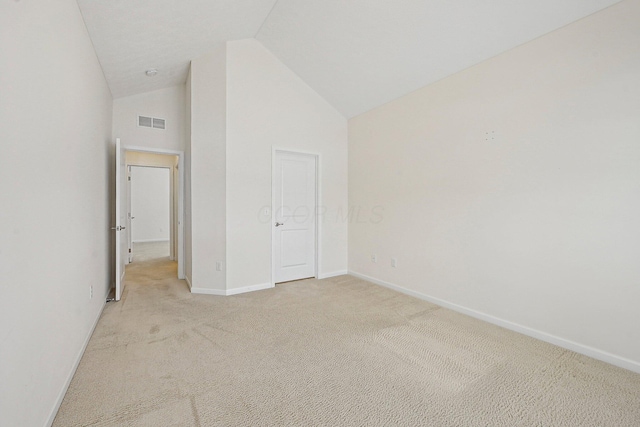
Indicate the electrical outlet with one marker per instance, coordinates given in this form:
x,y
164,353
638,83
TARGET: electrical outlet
x,y
374,258
90,291
394,262
218,266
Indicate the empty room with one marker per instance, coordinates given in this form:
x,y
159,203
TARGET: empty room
x,y
330,213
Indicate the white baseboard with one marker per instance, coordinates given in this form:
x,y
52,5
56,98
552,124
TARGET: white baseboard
x,y
150,240
252,288
234,291
586,350
332,274
207,291
186,278
63,392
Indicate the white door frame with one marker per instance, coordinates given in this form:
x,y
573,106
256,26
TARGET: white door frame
x,y
119,226
180,218
129,217
318,245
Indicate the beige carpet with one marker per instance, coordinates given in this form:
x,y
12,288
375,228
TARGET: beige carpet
x,y
335,352
145,251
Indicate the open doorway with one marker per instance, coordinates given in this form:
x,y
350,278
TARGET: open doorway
x,y
154,206
149,213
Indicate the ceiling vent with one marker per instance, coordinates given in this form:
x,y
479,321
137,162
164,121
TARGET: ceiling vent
x,y
151,122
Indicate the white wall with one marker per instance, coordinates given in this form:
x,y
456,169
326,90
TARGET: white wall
x,y
269,106
150,203
512,188
207,165
55,128
168,104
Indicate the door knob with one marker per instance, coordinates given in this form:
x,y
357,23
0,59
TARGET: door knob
x,y
278,224
118,228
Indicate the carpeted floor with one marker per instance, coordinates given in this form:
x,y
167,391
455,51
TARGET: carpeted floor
x,y
145,251
334,352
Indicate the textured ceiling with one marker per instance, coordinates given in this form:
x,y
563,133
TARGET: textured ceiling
x,y
132,36
357,54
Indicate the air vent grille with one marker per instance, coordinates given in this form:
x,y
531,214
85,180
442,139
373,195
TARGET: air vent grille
x,y
152,122
145,121
158,123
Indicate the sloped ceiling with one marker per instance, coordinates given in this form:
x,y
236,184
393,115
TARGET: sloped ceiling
x,y
132,36
357,54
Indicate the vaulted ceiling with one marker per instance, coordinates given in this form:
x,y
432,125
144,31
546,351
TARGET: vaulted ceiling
x,y
357,54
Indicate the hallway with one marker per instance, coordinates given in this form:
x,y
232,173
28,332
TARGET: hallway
x,y
147,251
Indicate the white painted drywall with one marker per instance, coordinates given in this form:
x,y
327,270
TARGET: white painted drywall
x,y
168,104
513,188
55,128
360,54
269,106
131,37
150,204
208,166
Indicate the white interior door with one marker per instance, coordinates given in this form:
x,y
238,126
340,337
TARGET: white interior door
x,y
294,214
121,208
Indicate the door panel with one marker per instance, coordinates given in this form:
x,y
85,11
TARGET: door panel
x,y
293,248
294,232
120,215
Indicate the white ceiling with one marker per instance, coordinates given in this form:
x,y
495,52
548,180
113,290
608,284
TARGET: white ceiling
x,y
132,36
357,54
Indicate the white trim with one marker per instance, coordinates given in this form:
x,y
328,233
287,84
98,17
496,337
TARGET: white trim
x,y
260,287
586,350
186,278
207,291
153,150
318,219
181,183
63,392
332,274
145,165
234,291
150,240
